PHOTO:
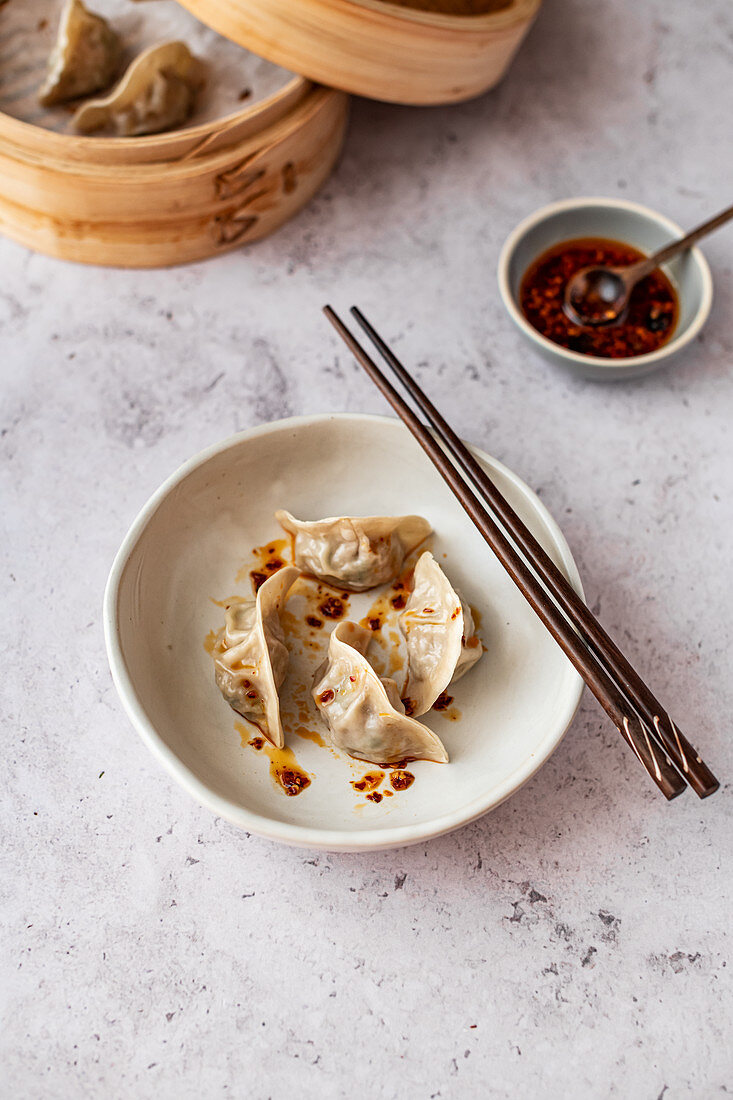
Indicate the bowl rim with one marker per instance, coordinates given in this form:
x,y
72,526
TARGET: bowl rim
x,y
613,366
303,836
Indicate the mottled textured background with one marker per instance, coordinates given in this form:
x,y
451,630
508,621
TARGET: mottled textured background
x,y
575,942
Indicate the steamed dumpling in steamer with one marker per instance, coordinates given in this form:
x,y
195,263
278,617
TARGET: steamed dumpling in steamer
x,y
85,59
363,713
156,93
354,552
250,656
442,644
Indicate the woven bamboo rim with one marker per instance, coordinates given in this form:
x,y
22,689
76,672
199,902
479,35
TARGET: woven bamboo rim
x,y
154,148
149,203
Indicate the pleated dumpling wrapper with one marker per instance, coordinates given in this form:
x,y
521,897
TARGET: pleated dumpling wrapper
x,y
363,713
156,93
442,644
251,658
354,552
85,59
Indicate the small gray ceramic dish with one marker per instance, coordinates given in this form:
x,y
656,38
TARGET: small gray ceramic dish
x,y
617,220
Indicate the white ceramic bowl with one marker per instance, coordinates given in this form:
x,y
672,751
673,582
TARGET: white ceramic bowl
x,y
619,220
193,536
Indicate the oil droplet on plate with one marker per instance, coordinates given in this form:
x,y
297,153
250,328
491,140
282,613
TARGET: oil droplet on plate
x,y
401,779
285,770
368,782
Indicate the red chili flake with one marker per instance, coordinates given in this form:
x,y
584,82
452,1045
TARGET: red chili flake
x,y
374,624
428,610
456,613
443,701
257,743
258,579
368,782
353,679
332,607
647,324
375,796
273,565
251,694
398,601
401,780
292,782
313,621
326,696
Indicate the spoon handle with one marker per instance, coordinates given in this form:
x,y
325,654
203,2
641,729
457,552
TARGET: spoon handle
x,y
644,267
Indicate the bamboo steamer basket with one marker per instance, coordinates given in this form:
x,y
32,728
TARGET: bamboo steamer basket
x,y
375,48
170,198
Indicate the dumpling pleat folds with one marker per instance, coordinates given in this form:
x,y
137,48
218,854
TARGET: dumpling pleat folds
x,y
363,712
438,627
354,552
251,658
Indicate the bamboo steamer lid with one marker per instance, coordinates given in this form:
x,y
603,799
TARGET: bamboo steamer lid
x,y
404,51
166,198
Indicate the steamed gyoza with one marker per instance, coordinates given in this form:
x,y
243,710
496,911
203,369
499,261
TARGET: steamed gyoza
x,y
156,93
85,58
441,640
250,656
363,713
354,552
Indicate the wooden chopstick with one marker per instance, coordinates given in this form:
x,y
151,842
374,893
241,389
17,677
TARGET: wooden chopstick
x,y
683,755
628,723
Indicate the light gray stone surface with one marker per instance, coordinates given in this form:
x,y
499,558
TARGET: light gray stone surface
x,y
575,942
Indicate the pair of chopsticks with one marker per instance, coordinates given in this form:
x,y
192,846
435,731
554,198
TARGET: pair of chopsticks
x,y
661,748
